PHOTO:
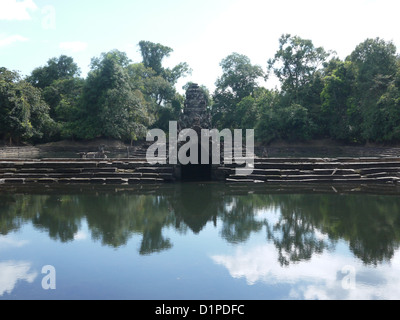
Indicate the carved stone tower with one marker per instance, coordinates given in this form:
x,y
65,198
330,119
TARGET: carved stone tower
x,y
195,115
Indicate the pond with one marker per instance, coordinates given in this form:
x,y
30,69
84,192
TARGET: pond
x,y
198,241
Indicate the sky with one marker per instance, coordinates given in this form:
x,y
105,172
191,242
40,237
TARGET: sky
x,y
201,33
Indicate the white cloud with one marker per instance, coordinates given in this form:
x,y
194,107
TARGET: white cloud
x,y
12,272
320,278
9,40
74,46
16,10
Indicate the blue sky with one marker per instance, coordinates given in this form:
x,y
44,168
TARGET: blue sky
x,y
201,33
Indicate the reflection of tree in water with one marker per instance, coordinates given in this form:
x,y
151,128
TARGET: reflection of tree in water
x,y
196,205
370,224
116,217
112,218
59,215
238,218
11,217
295,235
307,224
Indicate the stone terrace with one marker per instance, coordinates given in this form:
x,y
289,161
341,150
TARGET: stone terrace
x,y
83,171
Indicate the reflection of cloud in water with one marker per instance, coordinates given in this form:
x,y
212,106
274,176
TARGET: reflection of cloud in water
x,y
271,215
11,272
7,242
320,278
80,235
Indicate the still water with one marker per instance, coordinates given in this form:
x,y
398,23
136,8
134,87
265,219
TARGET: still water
x,y
198,241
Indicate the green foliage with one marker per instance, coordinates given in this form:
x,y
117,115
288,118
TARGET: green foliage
x,y
374,62
153,55
56,69
355,100
239,76
110,106
389,108
170,112
336,98
238,81
294,123
158,83
23,114
296,64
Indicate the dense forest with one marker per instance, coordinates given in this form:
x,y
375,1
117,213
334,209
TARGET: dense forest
x,y
320,96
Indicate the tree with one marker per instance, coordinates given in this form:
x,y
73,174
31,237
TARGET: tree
x,y
238,81
295,64
110,106
239,76
62,88
375,63
153,55
63,67
294,123
337,99
23,113
389,107
63,95
158,83
267,121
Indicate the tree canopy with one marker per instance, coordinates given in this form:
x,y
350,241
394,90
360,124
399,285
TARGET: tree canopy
x,y
354,100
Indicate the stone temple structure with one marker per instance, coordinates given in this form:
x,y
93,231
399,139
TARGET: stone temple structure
x,y
195,116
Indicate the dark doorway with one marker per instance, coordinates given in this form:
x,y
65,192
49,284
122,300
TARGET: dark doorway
x,y
197,172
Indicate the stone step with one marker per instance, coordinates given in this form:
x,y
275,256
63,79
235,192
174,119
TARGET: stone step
x,y
250,181
155,169
151,180
7,170
12,181
253,177
379,175
293,166
63,165
150,175
333,166
128,165
167,177
379,170
334,171
321,177
63,171
339,181
295,177
72,175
